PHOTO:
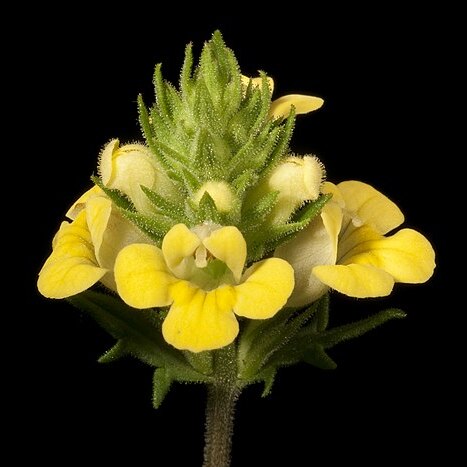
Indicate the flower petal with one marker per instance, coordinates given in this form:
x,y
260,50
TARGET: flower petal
x,y
98,209
130,166
110,232
68,276
407,255
142,277
200,320
330,188
72,266
267,286
255,82
356,280
370,206
80,203
314,245
228,245
281,108
178,246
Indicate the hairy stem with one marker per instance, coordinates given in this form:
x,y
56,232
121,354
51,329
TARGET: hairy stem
x,y
222,396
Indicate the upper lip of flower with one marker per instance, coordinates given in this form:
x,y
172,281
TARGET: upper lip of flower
x,y
84,250
282,106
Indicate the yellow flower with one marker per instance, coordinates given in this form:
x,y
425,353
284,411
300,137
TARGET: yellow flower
x,y
199,273
131,166
296,179
346,247
84,250
281,107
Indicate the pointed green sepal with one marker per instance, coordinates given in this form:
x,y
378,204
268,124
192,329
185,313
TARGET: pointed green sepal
x,y
207,209
268,377
200,361
117,197
116,352
316,355
161,382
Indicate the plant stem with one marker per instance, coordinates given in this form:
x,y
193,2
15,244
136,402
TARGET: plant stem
x,y
222,396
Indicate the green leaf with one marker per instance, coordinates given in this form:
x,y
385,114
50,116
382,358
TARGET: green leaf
x,y
200,361
256,214
186,84
268,239
243,181
316,355
160,89
144,121
154,226
164,206
118,198
319,321
116,352
334,336
161,383
140,331
191,182
283,141
207,210
267,376
267,341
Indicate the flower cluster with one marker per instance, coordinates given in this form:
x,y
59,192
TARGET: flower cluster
x,y
214,220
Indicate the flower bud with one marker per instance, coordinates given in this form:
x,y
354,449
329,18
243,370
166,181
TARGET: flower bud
x,y
131,166
220,192
297,180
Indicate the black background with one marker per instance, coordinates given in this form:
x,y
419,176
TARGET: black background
x,y
380,75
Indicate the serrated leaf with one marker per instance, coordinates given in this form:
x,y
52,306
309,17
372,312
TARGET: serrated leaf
x,y
161,383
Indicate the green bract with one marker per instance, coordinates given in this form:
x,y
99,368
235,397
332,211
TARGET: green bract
x,y
215,130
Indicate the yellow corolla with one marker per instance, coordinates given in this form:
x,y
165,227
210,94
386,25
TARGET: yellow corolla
x,y
281,107
131,166
346,248
199,273
84,250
